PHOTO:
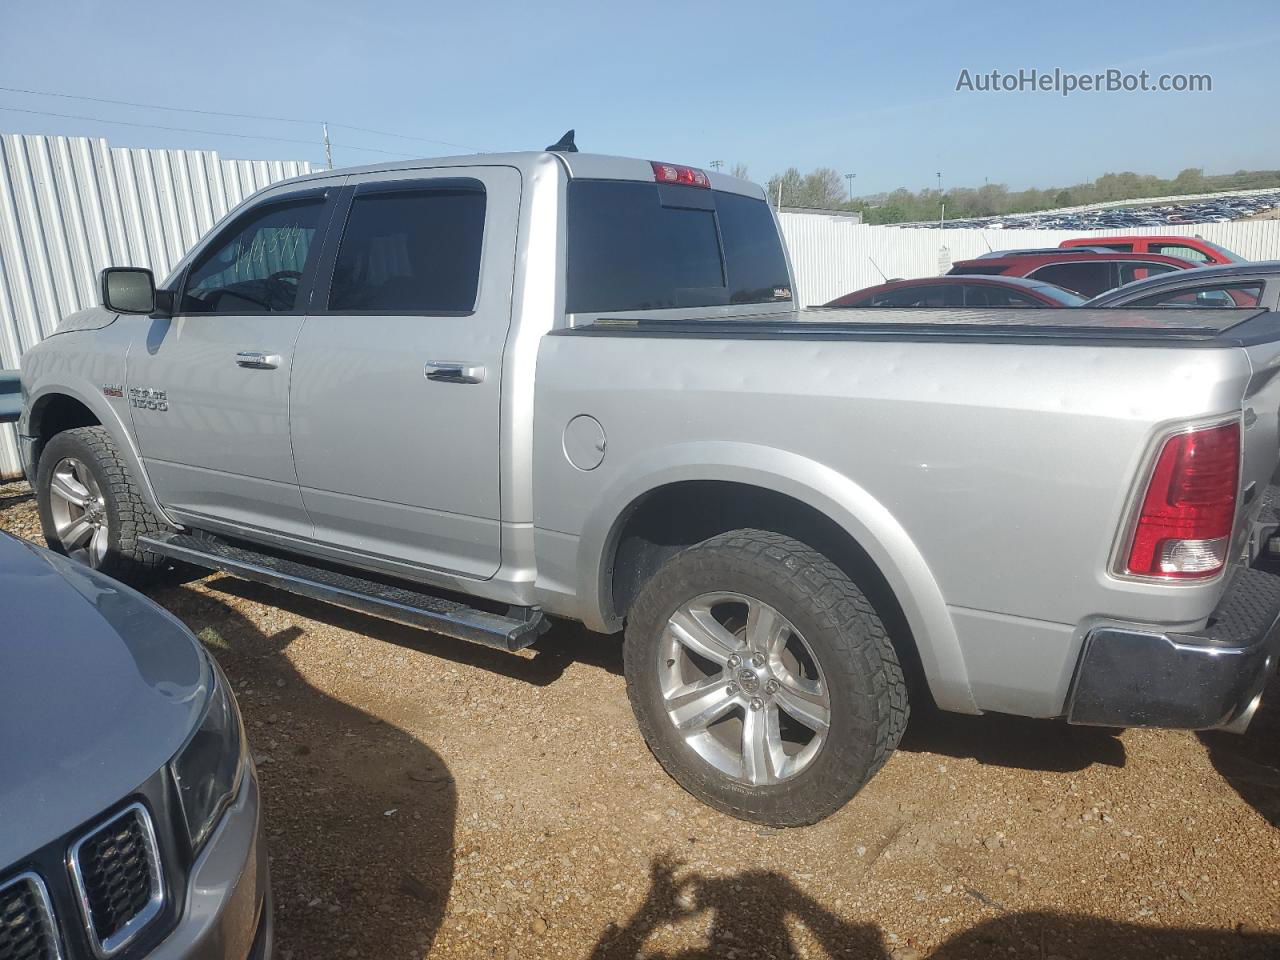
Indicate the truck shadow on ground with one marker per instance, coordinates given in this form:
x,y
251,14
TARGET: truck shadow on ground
x,y
994,739
754,915
1251,763
1005,741
330,773
565,643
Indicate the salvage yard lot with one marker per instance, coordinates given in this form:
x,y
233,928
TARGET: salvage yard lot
x,y
423,794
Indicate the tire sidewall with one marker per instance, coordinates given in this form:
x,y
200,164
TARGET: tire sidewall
x,y
71,444
846,758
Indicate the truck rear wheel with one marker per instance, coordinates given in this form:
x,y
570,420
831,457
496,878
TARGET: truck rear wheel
x,y
762,678
90,508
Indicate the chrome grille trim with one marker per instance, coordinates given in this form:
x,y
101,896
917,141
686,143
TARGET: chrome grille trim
x,y
42,897
124,935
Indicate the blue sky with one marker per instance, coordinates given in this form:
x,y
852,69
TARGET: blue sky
x,y
866,88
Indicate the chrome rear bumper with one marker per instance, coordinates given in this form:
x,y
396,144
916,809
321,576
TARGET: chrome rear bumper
x,y
1211,679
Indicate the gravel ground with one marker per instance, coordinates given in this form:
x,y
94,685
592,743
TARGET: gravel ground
x,y
426,796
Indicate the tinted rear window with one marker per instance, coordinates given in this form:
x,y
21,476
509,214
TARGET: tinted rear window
x,y
636,246
411,251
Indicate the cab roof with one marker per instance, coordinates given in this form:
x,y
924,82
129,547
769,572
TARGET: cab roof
x,y
588,166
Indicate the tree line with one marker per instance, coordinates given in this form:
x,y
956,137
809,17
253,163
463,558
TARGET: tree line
x,y
827,189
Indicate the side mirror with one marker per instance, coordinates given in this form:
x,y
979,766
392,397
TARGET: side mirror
x,y
129,290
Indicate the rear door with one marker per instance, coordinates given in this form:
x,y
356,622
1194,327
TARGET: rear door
x,y
398,370
209,386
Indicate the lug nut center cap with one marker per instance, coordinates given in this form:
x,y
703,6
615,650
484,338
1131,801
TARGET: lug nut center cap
x,y
749,680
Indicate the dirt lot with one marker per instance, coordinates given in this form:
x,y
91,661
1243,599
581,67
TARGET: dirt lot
x,y
428,796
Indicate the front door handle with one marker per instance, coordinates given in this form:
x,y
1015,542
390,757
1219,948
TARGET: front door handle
x,y
257,361
455,372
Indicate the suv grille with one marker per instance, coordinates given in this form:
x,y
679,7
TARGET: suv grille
x,y
117,876
26,921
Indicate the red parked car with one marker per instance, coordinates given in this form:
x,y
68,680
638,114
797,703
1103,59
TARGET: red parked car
x,y
960,292
1199,251
1086,272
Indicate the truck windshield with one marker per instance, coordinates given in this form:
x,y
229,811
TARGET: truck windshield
x,y
645,246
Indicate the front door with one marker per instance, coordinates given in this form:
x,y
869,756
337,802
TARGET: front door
x,y
397,373
209,386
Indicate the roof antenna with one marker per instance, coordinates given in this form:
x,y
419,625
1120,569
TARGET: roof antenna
x,y
564,145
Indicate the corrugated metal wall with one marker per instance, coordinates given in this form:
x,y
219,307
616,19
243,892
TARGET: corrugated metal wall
x,y
70,206
832,257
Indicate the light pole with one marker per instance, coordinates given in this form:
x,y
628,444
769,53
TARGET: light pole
x,y
939,183
849,178
717,164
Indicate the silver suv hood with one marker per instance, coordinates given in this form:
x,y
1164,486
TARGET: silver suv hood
x,y
99,688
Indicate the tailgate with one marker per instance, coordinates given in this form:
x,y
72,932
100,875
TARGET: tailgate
x,y
1260,469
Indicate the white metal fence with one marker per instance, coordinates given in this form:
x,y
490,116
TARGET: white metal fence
x,y
70,206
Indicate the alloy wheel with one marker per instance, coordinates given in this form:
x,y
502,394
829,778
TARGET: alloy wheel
x,y
79,512
743,688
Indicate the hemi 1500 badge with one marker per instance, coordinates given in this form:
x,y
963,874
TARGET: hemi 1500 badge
x,y
147,398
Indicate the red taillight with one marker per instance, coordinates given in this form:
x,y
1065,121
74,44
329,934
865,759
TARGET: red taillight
x,y
1184,526
674,173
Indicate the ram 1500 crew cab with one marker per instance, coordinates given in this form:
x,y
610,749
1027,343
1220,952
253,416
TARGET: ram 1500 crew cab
x,y
477,393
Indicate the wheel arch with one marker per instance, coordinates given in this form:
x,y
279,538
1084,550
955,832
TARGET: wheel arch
x,y
695,491
55,408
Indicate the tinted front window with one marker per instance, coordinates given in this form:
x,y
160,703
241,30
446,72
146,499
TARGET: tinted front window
x,y
634,246
988,295
926,295
411,251
257,265
1240,295
1086,279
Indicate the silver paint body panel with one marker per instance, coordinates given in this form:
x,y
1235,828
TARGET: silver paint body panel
x,y
988,480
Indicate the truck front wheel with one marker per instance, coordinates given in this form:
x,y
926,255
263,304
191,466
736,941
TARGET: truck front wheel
x,y
90,508
762,678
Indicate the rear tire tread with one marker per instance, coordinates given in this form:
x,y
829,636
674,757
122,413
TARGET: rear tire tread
x,y
864,654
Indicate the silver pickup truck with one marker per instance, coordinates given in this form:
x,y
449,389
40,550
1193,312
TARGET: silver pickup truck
x,y
477,393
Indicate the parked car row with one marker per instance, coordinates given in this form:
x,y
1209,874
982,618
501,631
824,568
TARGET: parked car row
x,y
1117,271
1236,285
1211,210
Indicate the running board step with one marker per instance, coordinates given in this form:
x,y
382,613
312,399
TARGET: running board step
x,y
398,603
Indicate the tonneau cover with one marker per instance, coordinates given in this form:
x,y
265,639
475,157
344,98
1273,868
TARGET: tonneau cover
x,y
1155,326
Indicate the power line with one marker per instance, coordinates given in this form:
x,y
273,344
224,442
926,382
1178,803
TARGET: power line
x,y
220,113
156,106
210,133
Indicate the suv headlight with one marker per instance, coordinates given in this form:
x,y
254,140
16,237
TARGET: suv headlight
x,y
208,769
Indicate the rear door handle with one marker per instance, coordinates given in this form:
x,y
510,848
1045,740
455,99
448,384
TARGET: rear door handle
x,y
257,361
455,372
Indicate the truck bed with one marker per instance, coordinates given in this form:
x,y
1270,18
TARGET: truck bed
x,y
1153,327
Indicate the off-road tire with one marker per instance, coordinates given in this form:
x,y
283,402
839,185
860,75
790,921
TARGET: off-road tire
x,y
128,516
868,693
